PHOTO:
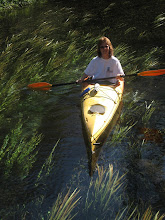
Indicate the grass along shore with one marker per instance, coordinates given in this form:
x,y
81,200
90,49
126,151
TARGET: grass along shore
x,y
6,4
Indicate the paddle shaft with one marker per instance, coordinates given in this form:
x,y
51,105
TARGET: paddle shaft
x,y
45,86
64,84
145,73
88,80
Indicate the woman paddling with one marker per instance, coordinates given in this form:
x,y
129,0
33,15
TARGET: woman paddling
x,y
104,64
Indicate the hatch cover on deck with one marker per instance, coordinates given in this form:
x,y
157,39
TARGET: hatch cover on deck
x,y
97,109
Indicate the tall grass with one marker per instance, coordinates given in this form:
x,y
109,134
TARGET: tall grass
x,y
18,153
10,4
120,133
63,207
133,214
148,215
104,193
149,110
47,166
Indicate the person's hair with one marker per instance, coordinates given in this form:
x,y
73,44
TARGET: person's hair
x,y
108,42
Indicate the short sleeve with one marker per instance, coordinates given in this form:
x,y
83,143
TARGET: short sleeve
x,y
118,68
90,70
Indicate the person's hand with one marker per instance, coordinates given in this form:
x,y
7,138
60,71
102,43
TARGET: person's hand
x,y
78,81
83,79
120,77
117,83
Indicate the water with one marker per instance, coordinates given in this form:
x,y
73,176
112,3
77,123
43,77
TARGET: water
x,y
54,43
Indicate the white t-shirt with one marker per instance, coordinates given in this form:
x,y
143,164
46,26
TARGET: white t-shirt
x,y
103,68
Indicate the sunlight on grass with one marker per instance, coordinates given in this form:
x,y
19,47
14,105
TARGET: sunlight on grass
x,y
120,133
103,192
10,4
148,215
160,20
103,200
64,206
133,214
149,111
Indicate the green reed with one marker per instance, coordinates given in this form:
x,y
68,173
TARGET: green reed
x,y
18,153
10,4
103,192
148,215
130,213
64,206
47,166
120,133
149,110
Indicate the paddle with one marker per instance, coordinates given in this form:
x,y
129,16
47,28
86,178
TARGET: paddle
x,y
47,86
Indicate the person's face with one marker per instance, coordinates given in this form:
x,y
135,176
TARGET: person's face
x,y
104,48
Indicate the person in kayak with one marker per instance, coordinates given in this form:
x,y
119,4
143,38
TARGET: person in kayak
x,y
104,64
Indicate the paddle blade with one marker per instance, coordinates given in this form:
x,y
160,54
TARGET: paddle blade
x,y
40,86
152,73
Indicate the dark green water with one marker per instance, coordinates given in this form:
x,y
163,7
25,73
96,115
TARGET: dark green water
x,y
54,43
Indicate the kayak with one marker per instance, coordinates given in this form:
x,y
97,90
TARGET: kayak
x,y
99,103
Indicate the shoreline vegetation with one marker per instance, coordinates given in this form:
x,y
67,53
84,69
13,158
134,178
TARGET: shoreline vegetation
x,y
11,4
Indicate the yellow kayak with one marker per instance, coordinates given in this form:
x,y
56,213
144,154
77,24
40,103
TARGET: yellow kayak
x,y
99,104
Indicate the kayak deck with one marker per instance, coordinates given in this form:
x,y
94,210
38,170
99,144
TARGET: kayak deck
x,y
99,106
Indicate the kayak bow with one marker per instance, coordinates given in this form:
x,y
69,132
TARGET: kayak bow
x,y
98,107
